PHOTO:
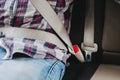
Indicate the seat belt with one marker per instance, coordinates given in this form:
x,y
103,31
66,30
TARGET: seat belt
x,y
51,17
88,44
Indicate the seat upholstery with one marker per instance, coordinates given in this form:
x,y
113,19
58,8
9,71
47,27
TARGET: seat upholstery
x,y
111,37
111,33
110,70
107,72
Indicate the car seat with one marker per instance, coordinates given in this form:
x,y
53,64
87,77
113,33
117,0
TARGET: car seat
x,y
110,69
106,62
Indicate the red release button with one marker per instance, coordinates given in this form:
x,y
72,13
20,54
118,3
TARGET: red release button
x,y
76,48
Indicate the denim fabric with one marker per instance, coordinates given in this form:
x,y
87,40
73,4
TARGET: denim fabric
x,y
30,69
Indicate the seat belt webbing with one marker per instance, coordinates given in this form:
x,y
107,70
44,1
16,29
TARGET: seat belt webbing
x,y
88,44
51,17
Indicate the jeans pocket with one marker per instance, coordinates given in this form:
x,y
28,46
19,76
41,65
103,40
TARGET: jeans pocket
x,y
56,71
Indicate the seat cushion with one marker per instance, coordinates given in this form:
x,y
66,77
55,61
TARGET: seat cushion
x,y
107,72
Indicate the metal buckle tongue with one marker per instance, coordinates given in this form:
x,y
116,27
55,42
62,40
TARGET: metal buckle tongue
x,y
89,50
88,55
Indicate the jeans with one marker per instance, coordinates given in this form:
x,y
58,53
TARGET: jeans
x,y
30,69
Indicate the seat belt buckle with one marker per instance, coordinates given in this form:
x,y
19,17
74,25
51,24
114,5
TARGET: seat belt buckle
x,y
78,54
89,50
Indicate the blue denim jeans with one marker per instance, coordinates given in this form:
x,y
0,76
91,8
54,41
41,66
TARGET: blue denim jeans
x,y
30,69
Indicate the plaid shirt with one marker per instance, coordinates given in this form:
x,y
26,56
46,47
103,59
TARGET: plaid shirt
x,y
21,13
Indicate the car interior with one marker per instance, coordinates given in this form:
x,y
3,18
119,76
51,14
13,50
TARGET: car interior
x,y
105,63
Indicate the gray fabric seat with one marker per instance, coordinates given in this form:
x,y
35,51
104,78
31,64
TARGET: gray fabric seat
x,y
110,69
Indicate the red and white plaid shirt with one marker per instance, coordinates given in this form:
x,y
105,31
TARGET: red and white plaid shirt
x,y
21,13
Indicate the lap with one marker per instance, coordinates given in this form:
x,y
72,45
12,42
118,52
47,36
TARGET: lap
x,y
30,69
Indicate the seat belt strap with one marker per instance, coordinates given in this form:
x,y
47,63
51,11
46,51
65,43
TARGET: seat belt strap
x,y
88,44
16,32
51,17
